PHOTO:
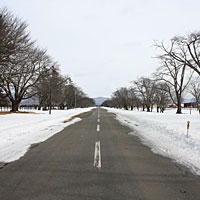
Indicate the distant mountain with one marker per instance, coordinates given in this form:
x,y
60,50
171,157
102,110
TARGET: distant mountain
x,y
28,102
99,100
192,100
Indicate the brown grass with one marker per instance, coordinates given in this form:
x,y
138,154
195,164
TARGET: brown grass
x,y
18,112
71,118
1,165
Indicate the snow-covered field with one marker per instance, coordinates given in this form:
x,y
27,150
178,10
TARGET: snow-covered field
x,y
19,131
166,134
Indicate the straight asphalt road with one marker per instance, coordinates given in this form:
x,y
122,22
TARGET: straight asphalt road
x,y
95,159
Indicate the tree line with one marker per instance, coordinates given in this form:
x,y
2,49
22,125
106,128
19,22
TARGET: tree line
x,y
178,73
27,71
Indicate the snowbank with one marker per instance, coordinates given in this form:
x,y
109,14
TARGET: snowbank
x,y
19,131
165,133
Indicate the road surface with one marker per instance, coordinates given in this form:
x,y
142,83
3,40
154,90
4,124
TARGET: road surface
x,y
95,159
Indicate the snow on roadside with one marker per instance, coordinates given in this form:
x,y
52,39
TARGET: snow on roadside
x,y
19,131
165,133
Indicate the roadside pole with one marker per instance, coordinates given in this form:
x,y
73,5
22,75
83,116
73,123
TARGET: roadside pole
x,y
188,126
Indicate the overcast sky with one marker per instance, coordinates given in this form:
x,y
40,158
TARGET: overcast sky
x,y
105,44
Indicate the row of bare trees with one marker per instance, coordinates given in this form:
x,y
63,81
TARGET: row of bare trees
x,y
144,93
27,71
59,91
178,74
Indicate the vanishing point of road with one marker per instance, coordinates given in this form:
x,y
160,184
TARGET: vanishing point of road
x,y
95,159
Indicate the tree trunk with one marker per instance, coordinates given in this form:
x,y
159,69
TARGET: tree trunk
x,y
179,108
178,96
198,108
15,106
44,108
148,108
125,107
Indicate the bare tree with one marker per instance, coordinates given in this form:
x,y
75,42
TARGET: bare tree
x,y
133,100
162,98
70,95
42,88
174,74
3,99
59,91
184,49
26,70
195,91
108,103
19,77
74,96
78,98
87,102
50,88
120,98
21,63
146,91
13,36
57,86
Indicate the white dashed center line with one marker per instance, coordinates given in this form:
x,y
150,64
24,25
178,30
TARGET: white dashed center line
x,y
98,127
97,155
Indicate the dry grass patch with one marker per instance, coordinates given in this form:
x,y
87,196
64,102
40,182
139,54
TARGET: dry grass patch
x,y
71,118
2,165
18,112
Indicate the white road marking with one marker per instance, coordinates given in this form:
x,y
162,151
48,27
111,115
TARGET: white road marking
x,y
97,155
98,113
98,120
98,127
